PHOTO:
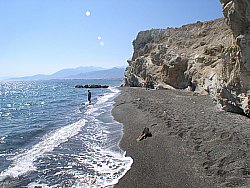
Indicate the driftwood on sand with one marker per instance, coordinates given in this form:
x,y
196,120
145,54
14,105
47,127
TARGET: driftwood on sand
x,y
145,133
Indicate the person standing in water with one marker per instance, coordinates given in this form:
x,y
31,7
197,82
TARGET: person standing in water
x,y
89,96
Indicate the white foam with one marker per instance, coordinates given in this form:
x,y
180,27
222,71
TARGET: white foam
x,y
100,101
6,154
114,89
34,185
107,96
7,114
2,140
109,165
9,105
23,163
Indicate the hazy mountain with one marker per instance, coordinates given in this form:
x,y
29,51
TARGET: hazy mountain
x,y
60,74
79,73
35,77
4,78
113,73
68,72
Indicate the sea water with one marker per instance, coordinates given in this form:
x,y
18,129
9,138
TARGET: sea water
x,y
51,137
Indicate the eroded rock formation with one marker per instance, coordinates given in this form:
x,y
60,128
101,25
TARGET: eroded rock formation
x,y
207,57
237,14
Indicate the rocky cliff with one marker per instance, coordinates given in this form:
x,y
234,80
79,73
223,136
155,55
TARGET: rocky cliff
x,y
205,57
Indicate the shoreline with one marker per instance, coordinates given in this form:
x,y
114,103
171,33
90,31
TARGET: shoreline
x,y
193,144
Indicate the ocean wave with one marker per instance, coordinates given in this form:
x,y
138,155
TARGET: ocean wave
x,y
108,166
23,163
74,156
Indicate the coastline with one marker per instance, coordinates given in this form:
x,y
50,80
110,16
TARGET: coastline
x,y
193,143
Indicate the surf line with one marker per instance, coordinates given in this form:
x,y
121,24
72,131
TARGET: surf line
x,y
23,162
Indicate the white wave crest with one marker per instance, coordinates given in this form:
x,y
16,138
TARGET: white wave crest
x,y
23,163
109,166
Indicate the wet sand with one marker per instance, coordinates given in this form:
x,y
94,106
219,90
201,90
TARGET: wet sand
x,y
193,143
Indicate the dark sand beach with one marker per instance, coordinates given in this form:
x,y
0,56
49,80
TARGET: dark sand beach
x,y
193,143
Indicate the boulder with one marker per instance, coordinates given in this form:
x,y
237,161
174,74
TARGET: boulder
x,y
91,86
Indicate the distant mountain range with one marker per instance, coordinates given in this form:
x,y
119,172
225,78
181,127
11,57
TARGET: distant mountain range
x,y
79,73
104,74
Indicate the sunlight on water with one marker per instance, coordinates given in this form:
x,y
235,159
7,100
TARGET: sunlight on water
x,y
24,162
52,137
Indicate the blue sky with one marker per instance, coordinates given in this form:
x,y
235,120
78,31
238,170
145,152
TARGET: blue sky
x,y
44,36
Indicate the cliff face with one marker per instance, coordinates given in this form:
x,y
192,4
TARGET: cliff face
x,y
205,57
237,14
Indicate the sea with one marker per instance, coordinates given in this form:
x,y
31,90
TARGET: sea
x,y
50,136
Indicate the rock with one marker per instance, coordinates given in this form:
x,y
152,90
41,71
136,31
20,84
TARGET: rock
x,y
91,86
202,43
237,14
145,133
214,56
167,54
79,86
138,99
160,87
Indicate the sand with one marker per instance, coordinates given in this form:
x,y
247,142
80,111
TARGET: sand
x,y
193,143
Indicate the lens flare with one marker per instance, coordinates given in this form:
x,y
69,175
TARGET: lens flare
x,y
87,13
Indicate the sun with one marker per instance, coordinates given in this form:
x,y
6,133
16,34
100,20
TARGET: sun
x,y
87,13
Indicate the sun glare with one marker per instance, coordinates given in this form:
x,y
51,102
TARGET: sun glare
x,y
87,13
